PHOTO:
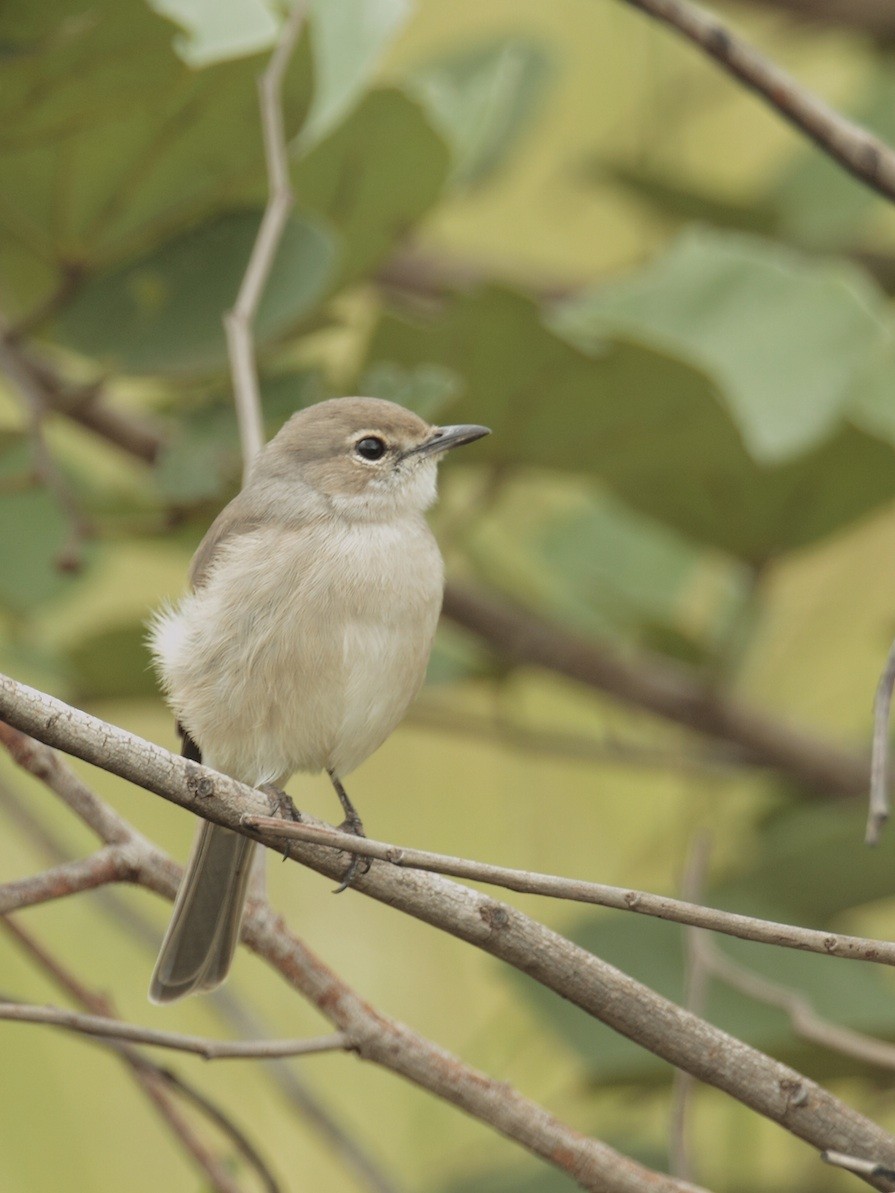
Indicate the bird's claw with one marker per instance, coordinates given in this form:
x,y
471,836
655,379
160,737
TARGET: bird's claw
x,y
358,865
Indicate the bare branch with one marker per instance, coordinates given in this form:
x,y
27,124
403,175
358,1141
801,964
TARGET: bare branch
x,y
376,1037
238,321
156,1083
83,405
866,157
232,1010
661,687
879,810
42,762
528,882
82,874
101,1025
713,1056
805,1021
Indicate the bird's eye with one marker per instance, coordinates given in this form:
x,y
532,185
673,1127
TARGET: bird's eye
x,y
371,447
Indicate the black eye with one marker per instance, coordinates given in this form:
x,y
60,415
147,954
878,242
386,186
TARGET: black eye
x,y
370,447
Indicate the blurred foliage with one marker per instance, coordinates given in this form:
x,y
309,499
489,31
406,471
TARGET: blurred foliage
x,y
690,378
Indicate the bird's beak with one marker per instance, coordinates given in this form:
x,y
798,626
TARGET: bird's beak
x,y
443,439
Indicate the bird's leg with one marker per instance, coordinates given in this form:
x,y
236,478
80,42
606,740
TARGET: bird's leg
x,y
281,805
351,824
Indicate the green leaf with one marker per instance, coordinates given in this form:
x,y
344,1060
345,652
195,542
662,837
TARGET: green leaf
x,y
110,144
482,101
216,30
552,404
374,177
811,865
162,312
783,338
347,39
615,572
679,203
427,389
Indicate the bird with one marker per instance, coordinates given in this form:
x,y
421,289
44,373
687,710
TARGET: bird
x,y
303,637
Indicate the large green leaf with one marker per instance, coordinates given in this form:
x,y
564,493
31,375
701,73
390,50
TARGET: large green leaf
x,y
375,176
784,338
348,39
162,312
615,572
811,864
109,142
215,30
645,418
482,100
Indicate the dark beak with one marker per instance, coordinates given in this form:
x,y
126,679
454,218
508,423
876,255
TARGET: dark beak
x,y
443,439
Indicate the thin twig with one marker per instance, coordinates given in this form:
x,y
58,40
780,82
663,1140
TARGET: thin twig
x,y
233,1011
154,1081
528,882
879,810
629,1007
81,874
805,1021
865,1168
238,322
99,1025
863,155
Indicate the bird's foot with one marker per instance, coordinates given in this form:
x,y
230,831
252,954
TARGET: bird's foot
x,y
281,805
358,865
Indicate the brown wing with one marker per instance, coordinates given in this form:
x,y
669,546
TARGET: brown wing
x,y
234,519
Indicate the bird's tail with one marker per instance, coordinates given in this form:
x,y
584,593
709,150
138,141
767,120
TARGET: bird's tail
x,y
201,938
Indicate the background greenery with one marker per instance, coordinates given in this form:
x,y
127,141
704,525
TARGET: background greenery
x,y
676,316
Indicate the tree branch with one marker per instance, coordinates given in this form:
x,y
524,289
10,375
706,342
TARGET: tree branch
x,y
745,927
231,1009
238,321
715,1057
660,687
114,1029
156,1083
866,157
376,1037
82,405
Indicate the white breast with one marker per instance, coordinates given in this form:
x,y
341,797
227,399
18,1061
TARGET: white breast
x,y
304,648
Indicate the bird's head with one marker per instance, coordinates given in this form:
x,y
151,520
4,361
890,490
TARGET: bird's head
x,y
366,457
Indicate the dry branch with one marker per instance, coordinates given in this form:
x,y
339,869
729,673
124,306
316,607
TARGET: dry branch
x,y
809,940
715,1057
863,155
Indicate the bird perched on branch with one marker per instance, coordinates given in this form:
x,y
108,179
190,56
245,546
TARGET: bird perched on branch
x,y
304,637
